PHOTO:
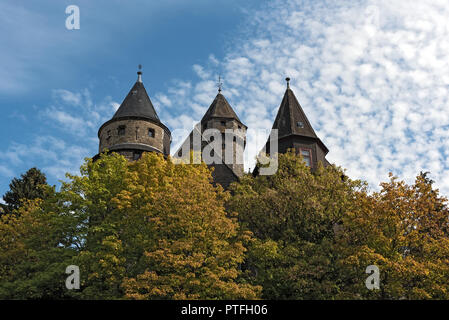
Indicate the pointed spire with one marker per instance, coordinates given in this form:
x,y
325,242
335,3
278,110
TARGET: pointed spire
x,y
137,103
220,108
291,119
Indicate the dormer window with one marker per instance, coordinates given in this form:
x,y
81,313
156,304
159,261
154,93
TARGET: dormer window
x,y
151,133
121,130
300,124
180,153
306,156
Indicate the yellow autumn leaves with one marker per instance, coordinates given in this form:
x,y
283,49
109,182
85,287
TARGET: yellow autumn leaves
x,y
151,229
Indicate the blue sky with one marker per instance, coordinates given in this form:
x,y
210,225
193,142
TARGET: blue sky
x,y
372,76
42,61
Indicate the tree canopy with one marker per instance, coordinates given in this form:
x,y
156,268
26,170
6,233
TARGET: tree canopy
x,y
317,232
152,229
27,187
143,230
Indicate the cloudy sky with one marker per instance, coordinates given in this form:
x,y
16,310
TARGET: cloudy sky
x,y
372,76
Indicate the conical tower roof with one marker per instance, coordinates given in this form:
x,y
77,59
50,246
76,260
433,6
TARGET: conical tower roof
x,y
220,108
291,119
137,103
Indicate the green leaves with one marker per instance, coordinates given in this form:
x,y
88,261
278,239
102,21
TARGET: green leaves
x,y
318,231
29,186
143,230
151,229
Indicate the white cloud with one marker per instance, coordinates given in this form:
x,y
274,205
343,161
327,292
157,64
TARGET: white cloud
x,y
162,99
6,172
77,114
75,118
55,156
199,70
372,76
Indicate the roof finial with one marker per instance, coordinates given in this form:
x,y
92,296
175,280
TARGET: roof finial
x,y
288,82
220,84
139,74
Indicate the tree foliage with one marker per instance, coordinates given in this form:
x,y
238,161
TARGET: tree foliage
x,y
403,229
28,187
151,229
293,215
143,230
316,232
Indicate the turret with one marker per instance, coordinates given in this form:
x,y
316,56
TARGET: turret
x,y
296,132
135,127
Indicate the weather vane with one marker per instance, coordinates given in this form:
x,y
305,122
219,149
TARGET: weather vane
x,y
140,67
220,84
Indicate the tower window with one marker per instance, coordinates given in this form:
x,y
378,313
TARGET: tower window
x,y
121,130
300,124
211,138
307,156
151,133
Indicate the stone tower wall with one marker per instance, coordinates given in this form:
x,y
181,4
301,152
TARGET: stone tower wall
x,y
136,131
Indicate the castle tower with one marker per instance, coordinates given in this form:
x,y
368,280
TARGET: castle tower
x,y
296,132
135,127
228,139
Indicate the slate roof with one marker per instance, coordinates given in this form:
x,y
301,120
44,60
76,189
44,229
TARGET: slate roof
x,y
137,104
291,114
220,108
